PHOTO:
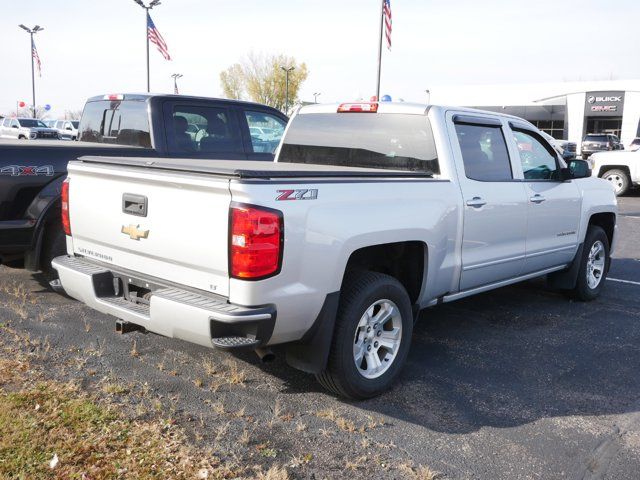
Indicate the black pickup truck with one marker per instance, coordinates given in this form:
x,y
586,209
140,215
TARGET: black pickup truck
x,y
32,172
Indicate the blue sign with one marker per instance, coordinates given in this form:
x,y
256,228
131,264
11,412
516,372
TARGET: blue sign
x,y
47,107
386,98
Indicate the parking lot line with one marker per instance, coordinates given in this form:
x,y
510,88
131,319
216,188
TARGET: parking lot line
x,y
623,281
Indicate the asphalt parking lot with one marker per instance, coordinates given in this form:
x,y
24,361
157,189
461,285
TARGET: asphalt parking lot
x,y
516,383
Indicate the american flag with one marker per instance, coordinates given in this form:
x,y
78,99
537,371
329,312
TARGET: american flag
x,y
156,38
386,11
36,57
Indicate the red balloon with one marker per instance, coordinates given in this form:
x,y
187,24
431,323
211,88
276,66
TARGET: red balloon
x,y
21,104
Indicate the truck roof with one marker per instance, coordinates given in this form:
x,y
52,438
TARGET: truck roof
x,y
141,97
407,108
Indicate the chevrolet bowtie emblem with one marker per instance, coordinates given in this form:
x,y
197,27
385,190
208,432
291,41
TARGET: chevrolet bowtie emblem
x,y
134,232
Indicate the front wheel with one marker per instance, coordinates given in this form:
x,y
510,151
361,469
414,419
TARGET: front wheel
x,y
371,338
619,179
594,265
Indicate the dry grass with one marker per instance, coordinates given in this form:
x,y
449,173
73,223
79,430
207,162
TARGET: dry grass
x,y
134,349
274,473
420,472
40,419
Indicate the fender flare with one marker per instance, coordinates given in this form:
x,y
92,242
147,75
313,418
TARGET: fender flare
x,y
43,207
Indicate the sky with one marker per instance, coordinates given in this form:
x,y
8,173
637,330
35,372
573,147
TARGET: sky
x,y
92,47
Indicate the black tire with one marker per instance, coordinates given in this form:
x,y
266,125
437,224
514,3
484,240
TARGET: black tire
x,y
582,290
620,180
54,244
360,291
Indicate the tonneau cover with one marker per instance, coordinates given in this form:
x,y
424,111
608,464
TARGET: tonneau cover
x,y
245,169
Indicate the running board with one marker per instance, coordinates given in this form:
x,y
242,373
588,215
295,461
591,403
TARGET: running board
x,y
503,283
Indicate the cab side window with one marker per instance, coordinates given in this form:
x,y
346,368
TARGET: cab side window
x,y
538,159
484,152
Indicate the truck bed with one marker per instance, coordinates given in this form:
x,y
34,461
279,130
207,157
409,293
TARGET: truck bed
x,y
252,169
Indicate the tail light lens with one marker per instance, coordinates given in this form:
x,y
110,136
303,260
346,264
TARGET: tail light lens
x,y
256,237
66,222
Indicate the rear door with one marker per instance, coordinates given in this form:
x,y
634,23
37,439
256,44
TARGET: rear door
x,y
495,203
554,205
169,225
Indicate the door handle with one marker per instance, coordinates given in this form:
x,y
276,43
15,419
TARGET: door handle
x,y
537,198
476,202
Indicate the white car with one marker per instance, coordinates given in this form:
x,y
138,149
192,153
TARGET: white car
x,y
371,213
68,129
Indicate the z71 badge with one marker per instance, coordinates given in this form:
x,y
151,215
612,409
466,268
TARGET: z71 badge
x,y
302,194
27,170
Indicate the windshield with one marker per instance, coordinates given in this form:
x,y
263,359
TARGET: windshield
x,y
367,140
31,123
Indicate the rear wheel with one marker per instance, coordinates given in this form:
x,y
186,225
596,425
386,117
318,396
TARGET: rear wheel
x,y
594,265
371,338
619,179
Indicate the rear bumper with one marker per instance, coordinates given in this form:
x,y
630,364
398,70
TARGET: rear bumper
x,y
206,320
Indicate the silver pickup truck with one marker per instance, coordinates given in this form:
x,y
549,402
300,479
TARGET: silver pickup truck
x,y
371,213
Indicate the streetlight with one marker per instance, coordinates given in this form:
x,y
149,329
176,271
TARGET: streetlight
x,y
428,92
175,77
31,31
315,97
286,95
153,3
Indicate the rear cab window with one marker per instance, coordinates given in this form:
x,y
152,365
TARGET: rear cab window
x,y
385,141
203,131
123,122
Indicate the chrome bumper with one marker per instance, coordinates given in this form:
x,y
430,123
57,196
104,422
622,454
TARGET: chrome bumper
x,y
172,312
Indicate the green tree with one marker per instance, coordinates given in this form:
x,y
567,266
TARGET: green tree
x,y
260,78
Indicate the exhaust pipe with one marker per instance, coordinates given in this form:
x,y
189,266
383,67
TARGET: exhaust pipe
x,y
265,355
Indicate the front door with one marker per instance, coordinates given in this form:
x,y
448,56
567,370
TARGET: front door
x,y
554,204
495,202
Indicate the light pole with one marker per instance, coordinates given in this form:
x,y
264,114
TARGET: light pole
x,y
315,97
153,3
428,92
286,94
31,31
175,77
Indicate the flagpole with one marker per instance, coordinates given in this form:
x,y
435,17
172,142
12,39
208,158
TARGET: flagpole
x,y
380,50
33,78
146,32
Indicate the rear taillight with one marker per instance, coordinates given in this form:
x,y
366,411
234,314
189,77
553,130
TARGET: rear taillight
x,y
255,242
64,194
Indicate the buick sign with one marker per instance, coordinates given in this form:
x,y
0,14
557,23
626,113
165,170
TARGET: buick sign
x,y
601,104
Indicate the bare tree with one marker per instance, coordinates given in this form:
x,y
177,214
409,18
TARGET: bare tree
x,y
260,78
72,114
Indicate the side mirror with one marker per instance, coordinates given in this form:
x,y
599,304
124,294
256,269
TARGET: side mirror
x,y
14,126
578,169
68,128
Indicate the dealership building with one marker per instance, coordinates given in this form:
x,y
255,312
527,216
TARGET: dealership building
x,y
567,110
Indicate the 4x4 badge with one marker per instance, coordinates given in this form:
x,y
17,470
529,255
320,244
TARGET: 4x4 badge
x,y
134,232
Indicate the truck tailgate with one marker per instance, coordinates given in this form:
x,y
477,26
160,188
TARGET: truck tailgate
x,y
183,235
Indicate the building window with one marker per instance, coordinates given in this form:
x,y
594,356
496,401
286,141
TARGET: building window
x,y
555,128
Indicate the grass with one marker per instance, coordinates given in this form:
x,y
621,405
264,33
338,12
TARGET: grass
x,y
41,419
